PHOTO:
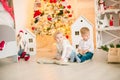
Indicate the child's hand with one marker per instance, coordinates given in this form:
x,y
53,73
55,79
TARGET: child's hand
x,y
84,51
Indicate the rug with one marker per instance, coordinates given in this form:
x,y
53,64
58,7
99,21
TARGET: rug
x,y
51,61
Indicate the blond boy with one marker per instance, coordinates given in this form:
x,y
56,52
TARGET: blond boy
x,y
85,48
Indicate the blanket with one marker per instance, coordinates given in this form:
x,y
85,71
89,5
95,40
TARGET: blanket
x,y
51,61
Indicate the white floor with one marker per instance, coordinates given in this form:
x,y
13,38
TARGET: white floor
x,y
97,69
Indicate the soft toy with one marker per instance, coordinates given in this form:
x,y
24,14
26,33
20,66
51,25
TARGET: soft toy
x,y
22,53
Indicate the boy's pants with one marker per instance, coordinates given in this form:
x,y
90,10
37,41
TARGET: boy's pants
x,y
80,58
86,56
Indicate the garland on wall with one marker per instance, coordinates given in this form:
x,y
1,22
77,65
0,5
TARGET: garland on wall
x,y
51,15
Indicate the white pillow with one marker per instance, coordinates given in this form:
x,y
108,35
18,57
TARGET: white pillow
x,y
1,7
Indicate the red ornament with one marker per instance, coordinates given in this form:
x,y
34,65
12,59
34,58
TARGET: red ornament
x,y
37,13
33,28
51,1
70,15
49,18
69,6
67,36
21,31
54,1
63,0
111,22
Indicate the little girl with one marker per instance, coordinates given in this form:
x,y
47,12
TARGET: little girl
x,y
65,51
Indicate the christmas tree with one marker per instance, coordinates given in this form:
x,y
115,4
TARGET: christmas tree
x,y
51,15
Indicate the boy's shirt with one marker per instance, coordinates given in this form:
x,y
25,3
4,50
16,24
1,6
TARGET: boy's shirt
x,y
86,45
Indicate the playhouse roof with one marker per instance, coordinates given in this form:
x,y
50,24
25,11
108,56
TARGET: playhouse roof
x,y
27,30
81,21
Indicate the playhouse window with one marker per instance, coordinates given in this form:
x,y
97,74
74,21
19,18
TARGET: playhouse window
x,y
81,20
30,40
31,49
76,32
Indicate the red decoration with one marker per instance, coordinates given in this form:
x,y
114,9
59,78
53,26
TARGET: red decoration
x,y
49,18
67,36
37,13
111,22
51,1
69,6
63,0
54,1
70,15
21,31
33,28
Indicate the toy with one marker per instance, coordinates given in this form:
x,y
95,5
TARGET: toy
x,y
22,44
101,6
